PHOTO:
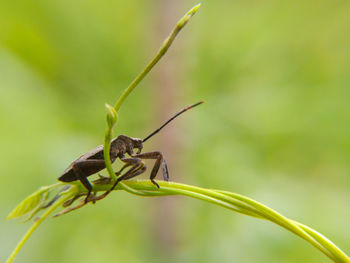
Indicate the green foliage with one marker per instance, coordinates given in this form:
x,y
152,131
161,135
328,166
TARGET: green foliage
x,y
31,203
232,201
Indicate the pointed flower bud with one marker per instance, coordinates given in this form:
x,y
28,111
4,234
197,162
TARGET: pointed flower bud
x,y
112,116
183,21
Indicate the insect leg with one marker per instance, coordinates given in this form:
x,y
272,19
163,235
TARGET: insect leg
x,y
138,167
126,176
85,168
159,160
165,170
122,169
135,173
69,209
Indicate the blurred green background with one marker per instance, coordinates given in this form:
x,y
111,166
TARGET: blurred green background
x,y
276,125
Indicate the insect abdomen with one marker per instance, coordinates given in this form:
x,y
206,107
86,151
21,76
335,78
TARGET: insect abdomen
x,y
68,177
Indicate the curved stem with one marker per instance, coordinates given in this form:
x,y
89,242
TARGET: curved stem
x,y
235,202
243,205
36,224
163,49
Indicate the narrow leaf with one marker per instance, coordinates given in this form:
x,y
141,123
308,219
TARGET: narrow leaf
x,y
28,204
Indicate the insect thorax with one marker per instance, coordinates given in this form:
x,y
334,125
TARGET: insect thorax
x,y
125,144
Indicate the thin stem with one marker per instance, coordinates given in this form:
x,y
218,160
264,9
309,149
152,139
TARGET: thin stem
x,y
36,224
277,218
336,252
243,205
235,202
163,49
106,153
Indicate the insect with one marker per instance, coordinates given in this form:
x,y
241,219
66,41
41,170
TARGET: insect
x,y
93,161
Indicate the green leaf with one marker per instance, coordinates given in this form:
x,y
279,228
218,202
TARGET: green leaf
x,y
28,204
37,208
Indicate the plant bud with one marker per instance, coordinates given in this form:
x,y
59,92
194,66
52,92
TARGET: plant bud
x,y
112,116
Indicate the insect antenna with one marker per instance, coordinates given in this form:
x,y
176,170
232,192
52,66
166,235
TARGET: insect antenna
x,y
177,114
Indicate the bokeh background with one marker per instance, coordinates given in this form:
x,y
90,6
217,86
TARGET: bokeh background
x,y
276,125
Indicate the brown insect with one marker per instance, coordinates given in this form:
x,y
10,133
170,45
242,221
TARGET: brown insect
x,y
93,161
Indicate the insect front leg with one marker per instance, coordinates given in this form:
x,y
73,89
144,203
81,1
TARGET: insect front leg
x,y
159,161
123,168
135,173
137,166
127,176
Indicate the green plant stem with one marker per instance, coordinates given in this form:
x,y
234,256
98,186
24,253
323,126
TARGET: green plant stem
x,y
229,200
106,154
244,205
37,223
163,49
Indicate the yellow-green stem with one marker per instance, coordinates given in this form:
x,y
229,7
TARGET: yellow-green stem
x,y
37,223
229,200
244,205
163,49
